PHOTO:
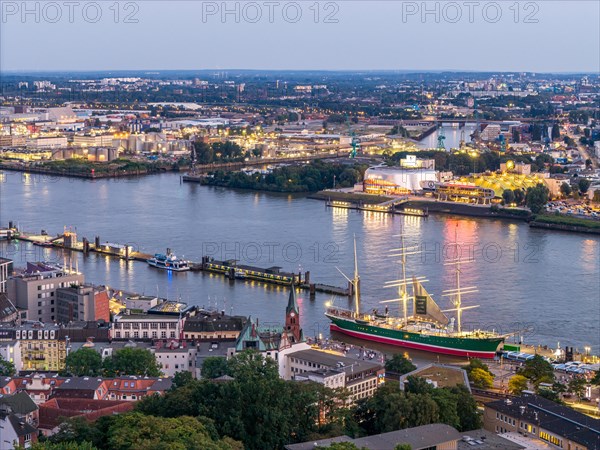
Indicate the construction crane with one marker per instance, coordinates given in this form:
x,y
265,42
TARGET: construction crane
x,y
354,139
440,139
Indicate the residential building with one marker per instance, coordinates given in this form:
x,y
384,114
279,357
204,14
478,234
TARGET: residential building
x,y
361,377
6,267
23,406
490,132
213,325
82,303
11,351
54,411
175,357
42,349
15,432
536,417
86,332
34,290
8,311
147,326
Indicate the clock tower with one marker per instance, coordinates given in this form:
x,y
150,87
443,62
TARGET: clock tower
x,y
292,318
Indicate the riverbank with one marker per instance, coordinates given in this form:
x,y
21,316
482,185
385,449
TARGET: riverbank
x,y
464,209
349,197
564,223
93,170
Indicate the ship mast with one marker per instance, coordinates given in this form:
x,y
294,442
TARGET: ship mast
x,y
356,282
458,291
402,290
402,283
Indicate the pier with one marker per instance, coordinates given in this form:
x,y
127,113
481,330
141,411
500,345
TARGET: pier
x,y
230,269
388,207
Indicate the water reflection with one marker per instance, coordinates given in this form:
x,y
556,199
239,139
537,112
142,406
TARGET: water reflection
x,y
548,279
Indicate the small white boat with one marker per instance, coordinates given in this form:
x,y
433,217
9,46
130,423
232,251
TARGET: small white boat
x,y
239,274
168,262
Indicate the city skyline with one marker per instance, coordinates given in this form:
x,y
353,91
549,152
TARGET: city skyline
x,y
488,37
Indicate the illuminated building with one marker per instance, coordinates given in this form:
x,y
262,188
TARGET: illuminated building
x,y
539,418
35,290
399,180
464,193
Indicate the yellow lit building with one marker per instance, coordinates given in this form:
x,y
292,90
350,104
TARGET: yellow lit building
x,y
41,347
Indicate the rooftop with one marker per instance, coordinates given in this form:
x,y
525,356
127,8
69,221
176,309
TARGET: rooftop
x,y
558,419
423,437
335,360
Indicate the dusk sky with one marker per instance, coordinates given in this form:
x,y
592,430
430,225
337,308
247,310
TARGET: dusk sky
x,y
543,36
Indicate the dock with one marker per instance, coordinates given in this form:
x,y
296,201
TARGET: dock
x,y
230,269
389,207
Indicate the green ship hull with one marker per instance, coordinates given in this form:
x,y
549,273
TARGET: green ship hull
x,y
467,345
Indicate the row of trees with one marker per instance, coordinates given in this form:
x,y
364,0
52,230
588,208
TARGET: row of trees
x,y
218,152
537,371
535,198
127,361
259,409
303,178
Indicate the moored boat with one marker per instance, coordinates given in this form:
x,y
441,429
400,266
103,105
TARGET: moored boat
x,y
168,262
428,328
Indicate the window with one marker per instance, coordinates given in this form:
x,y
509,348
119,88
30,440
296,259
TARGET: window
x,y
163,334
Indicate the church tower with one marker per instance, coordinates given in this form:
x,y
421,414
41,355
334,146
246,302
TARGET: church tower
x,y
292,318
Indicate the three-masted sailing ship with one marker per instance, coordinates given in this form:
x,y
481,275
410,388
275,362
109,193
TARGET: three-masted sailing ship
x,y
428,328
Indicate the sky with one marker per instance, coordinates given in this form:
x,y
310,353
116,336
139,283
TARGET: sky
x,y
502,35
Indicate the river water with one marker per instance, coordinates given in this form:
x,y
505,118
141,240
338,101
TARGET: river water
x,y
547,282
452,134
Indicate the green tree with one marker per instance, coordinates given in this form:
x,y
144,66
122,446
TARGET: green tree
x,y
536,197
565,189
399,364
182,378
447,402
63,446
596,378
403,447
214,367
476,363
517,384
418,385
555,132
508,196
83,362
132,361
577,386
250,364
136,431
7,368
466,408
516,136
550,395
583,184
519,196
481,379
341,446
537,370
